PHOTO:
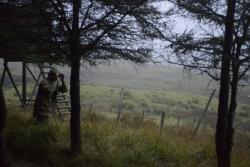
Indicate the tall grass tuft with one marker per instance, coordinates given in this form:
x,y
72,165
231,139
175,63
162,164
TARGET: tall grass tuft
x,y
106,143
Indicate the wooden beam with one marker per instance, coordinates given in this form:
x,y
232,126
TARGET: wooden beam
x,y
203,114
3,77
162,121
42,71
33,76
13,82
36,84
119,110
24,84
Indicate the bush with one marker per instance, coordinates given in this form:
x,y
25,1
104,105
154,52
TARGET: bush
x,y
129,105
127,95
144,104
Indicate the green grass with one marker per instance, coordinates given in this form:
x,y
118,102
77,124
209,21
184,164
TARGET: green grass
x,y
105,143
175,104
143,99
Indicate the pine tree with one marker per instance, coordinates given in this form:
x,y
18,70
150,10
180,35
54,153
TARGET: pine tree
x,y
94,31
220,51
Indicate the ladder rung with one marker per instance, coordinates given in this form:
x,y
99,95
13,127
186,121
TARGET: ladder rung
x,y
45,66
61,95
61,100
29,104
63,107
30,100
65,113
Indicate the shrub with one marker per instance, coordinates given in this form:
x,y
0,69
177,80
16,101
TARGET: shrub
x,y
127,95
129,105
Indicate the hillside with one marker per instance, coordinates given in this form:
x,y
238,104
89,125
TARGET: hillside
x,y
136,140
146,77
154,77
183,106
151,89
139,77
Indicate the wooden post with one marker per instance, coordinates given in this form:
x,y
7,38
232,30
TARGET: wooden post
x,y
29,70
13,82
143,114
178,122
162,121
41,70
119,110
36,84
204,113
4,72
193,123
3,77
24,85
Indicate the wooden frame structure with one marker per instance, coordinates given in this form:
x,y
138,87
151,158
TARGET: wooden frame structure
x,y
62,104
22,95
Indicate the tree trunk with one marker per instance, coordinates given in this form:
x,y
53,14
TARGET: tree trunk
x,y
75,81
3,158
234,85
232,108
222,151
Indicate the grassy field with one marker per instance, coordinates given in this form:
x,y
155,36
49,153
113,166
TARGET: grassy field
x,y
105,143
136,141
185,106
177,105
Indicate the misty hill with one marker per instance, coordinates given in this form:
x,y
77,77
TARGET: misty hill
x,y
154,77
150,77
157,77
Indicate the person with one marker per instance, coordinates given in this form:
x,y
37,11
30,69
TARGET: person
x,y
46,95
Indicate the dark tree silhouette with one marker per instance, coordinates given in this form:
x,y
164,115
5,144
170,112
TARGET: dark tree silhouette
x,y
220,51
99,30
3,157
24,36
224,131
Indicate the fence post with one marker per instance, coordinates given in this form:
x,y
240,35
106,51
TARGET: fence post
x,y
178,122
24,85
119,110
193,123
162,121
143,114
203,114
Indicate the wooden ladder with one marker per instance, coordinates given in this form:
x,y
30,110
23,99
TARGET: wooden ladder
x,y
61,107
